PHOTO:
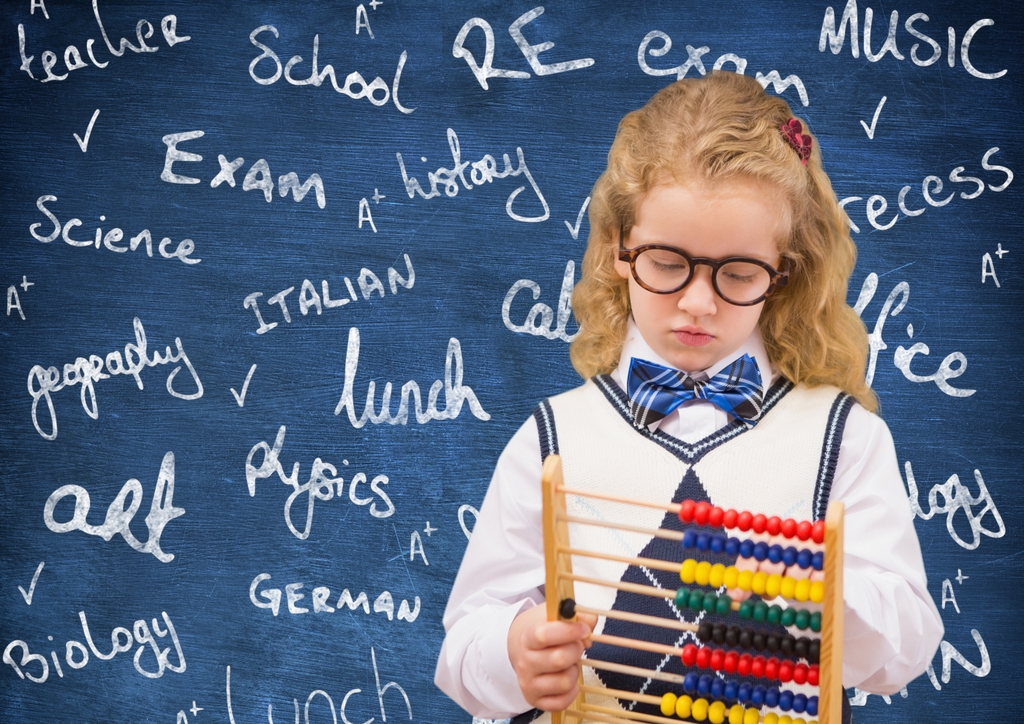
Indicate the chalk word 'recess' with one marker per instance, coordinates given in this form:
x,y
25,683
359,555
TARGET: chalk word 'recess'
x,y
540,317
320,600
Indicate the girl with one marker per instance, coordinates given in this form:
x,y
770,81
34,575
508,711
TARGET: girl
x,y
718,254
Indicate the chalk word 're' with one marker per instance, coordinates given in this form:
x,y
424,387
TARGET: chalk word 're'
x,y
531,52
931,187
119,518
257,178
73,57
321,485
43,381
309,298
836,38
111,239
540,317
320,600
483,171
694,60
356,87
455,393
955,497
903,357
76,655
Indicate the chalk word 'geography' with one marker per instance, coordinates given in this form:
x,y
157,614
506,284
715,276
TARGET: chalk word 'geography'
x,y
42,381
76,655
956,497
455,393
316,76
483,171
542,328
320,486
320,599
310,299
118,520
73,57
111,238
694,59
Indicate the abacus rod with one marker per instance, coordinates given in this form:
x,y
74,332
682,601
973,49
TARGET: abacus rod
x,y
670,507
633,671
604,718
639,618
636,644
656,532
645,562
622,586
622,694
629,716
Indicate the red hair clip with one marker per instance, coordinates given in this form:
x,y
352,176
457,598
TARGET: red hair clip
x,y
801,142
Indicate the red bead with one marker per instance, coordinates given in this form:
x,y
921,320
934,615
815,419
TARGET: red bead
x,y
700,512
789,527
731,662
800,674
774,525
785,671
703,657
818,532
757,667
686,511
689,655
715,516
812,675
729,519
759,523
743,521
803,531
771,668
744,664
717,659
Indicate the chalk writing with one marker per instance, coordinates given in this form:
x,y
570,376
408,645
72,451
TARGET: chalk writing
x,y
416,548
574,231
948,596
32,586
540,317
463,509
956,497
320,598
14,302
43,381
950,654
483,171
240,398
83,143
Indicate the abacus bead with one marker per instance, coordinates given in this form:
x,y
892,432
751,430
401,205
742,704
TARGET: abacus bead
x,y
760,581
760,550
668,704
729,518
789,527
731,577
773,586
814,651
751,716
759,522
715,516
816,622
684,706
746,641
803,619
745,579
717,689
731,662
732,546
791,557
716,659
785,700
771,668
771,697
785,671
700,512
718,633
801,647
690,683
773,525
800,703
567,608
702,540
743,693
732,635
817,591
812,677
688,571
818,560
703,572
682,597
757,667
788,617
774,614
775,553
771,718
704,657
800,674
717,543
758,642
812,705
786,719
729,690
818,532
757,696
803,590
716,713
736,714
704,631
771,643
704,684
760,611
689,656
723,605
787,645
696,599
746,548
717,575
744,520
804,558
788,587
710,601
689,539
686,511
699,710
743,665
746,610
803,530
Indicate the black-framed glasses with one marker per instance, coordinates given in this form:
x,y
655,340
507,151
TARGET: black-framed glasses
x,y
665,269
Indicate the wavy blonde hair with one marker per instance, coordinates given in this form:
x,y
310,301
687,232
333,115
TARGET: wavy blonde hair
x,y
709,130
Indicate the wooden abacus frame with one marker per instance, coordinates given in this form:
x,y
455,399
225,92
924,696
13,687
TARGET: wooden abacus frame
x,y
560,586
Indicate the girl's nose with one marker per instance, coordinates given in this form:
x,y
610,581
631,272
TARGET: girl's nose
x,y
698,298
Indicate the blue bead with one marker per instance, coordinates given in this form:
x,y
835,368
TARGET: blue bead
x,y
757,696
789,556
702,541
717,543
786,700
800,703
704,684
775,554
729,693
689,538
690,683
717,688
732,546
818,561
771,697
812,705
803,559
746,548
760,550
743,694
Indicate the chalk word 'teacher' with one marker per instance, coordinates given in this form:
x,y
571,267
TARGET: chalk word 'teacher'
x,y
931,187
322,483
694,60
955,496
530,52
309,298
257,178
836,38
355,86
73,57
119,518
540,317
903,357
76,655
320,600
483,171
43,381
111,239
455,393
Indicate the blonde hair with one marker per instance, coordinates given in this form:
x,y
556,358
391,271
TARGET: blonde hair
x,y
712,129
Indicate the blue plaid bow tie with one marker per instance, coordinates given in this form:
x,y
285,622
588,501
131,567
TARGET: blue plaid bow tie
x,y
655,391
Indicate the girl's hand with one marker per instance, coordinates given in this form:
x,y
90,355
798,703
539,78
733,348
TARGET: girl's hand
x,y
545,655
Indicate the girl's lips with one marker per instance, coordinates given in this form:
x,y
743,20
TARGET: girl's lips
x,y
693,337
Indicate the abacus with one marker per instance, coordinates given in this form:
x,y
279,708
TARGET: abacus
x,y
706,696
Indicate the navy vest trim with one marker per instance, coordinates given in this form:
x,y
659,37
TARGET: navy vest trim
x,y
830,452
546,429
526,717
687,452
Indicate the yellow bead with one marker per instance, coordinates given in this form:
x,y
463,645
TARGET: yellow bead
x,y
771,718
744,580
703,573
803,590
758,584
788,586
736,714
818,591
717,575
716,713
774,585
751,716
798,720
683,706
785,719
687,571
668,704
813,721
732,575
699,711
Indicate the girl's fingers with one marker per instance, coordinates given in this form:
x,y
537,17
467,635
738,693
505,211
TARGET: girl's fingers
x,y
555,633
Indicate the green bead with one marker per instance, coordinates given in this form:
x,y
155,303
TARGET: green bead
x,y
816,622
803,619
724,605
746,609
760,611
774,614
788,617
682,598
710,599
696,600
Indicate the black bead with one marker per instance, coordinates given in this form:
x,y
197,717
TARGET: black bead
x,y
801,647
814,651
758,642
704,632
732,635
718,633
772,643
786,645
567,608
746,638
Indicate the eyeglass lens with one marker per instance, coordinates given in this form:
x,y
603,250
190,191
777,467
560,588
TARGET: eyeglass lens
x,y
736,281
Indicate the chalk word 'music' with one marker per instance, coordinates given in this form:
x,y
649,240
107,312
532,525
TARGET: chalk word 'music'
x,y
956,497
43,381
455,393
76,655
119,519
483,171
320,599
540,317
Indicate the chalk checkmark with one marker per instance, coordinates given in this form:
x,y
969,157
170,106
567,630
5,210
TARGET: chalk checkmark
x,y
240,398
84,143
32,586
575,230
871,130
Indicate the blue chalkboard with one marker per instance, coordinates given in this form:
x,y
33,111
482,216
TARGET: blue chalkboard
x,y
232,230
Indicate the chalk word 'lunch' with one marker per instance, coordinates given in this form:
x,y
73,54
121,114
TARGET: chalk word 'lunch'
x,y
73,57
455,393
118,520
76,655
694,59
43,381
931,187
540,317
111,239
322,483
309,298
355,86
483,171
320,598
257,178
836,38
956,497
